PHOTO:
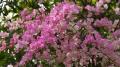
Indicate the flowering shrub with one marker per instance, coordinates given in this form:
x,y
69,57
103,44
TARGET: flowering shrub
x,y
69,35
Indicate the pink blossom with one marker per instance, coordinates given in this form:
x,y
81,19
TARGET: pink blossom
x,y
104,22
116,33
4,34
3,47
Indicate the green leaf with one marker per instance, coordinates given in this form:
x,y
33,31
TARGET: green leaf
x,y
94,2
6,58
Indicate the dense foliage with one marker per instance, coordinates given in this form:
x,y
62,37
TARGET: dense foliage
x,y
61,33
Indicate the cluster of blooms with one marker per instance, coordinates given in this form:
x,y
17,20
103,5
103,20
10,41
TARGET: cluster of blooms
x,y
57,37
102,6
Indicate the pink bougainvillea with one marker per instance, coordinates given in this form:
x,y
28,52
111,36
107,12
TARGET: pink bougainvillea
x,y
62,36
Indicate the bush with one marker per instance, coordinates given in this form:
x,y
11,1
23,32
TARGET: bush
x,y
63,34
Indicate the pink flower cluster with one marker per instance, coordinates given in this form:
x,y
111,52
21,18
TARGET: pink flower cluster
x,y
57,37
41,31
